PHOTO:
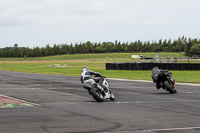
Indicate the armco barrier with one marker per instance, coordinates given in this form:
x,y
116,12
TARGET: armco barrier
x,y
149,66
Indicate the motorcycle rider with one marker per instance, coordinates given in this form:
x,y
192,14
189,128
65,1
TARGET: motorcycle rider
x,y
155,73
87,74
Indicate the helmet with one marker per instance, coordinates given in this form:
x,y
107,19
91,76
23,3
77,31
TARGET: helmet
x,y
84,69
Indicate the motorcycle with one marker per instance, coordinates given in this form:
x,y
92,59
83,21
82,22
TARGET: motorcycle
x,y
164,79
99,93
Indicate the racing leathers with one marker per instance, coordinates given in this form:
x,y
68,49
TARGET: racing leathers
x,y
88,74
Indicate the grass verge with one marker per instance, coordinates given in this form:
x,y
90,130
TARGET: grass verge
x,y
73,68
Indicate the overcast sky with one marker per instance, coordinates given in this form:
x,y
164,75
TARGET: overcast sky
x,y
31,23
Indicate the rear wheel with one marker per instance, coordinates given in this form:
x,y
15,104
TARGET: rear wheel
x,y
97,95
169,87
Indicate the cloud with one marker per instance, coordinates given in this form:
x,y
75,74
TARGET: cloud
x,y
20,12
55,21
159,23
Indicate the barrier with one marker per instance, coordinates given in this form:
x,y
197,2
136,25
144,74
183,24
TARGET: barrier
x,y
149,66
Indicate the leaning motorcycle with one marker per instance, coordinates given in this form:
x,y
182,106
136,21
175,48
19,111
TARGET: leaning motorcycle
x,y
164,79
99,93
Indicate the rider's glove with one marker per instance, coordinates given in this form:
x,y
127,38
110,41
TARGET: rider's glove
x,y
98,74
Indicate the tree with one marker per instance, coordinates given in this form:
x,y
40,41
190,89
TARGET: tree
x,y
160,45
2,53
99,49
139,46
27,52
16,51
71,49
156,49
21,52
16,45
176,48
146,47
89,47
47,50
64,49
56,50
106,46
190,47
195,49
170,45
38,52
166,49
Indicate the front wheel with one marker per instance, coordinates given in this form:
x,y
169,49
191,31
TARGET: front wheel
x,y
112,97
97,95
169,87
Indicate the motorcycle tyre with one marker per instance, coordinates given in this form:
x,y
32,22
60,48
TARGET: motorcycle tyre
x,y
96,95
169,87
112,97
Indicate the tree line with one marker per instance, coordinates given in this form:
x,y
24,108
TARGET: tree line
x,y
189,46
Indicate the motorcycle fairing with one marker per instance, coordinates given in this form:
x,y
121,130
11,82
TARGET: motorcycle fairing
x,y
88,83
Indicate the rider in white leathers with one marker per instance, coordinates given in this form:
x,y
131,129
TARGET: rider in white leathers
x,y
86,74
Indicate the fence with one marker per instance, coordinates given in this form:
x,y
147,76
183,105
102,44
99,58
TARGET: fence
x,y
149,66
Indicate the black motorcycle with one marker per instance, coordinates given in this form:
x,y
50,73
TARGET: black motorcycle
x,y
164,79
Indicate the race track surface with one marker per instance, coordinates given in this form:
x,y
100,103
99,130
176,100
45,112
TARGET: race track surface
x,y
61,105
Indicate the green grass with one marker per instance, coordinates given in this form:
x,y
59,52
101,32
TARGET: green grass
x,y
103,56
74,69
115,57
95,62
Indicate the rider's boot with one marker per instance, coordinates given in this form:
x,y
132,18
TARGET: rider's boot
x,y
101,89
158,86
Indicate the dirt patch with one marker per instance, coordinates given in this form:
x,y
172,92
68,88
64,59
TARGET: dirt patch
x,y
58,65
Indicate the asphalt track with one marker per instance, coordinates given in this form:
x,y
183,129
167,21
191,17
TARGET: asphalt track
x,y
61,105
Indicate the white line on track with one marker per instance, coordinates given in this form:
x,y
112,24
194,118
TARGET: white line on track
x,y
154,130
172,129
177,83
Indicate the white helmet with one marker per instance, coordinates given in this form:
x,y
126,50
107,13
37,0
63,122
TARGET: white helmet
x,y
84,69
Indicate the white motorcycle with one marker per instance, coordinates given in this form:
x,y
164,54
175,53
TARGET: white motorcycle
x,y
99,93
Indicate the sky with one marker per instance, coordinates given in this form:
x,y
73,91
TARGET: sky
x,y
36,23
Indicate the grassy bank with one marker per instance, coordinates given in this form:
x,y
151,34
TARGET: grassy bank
x,y
102,56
